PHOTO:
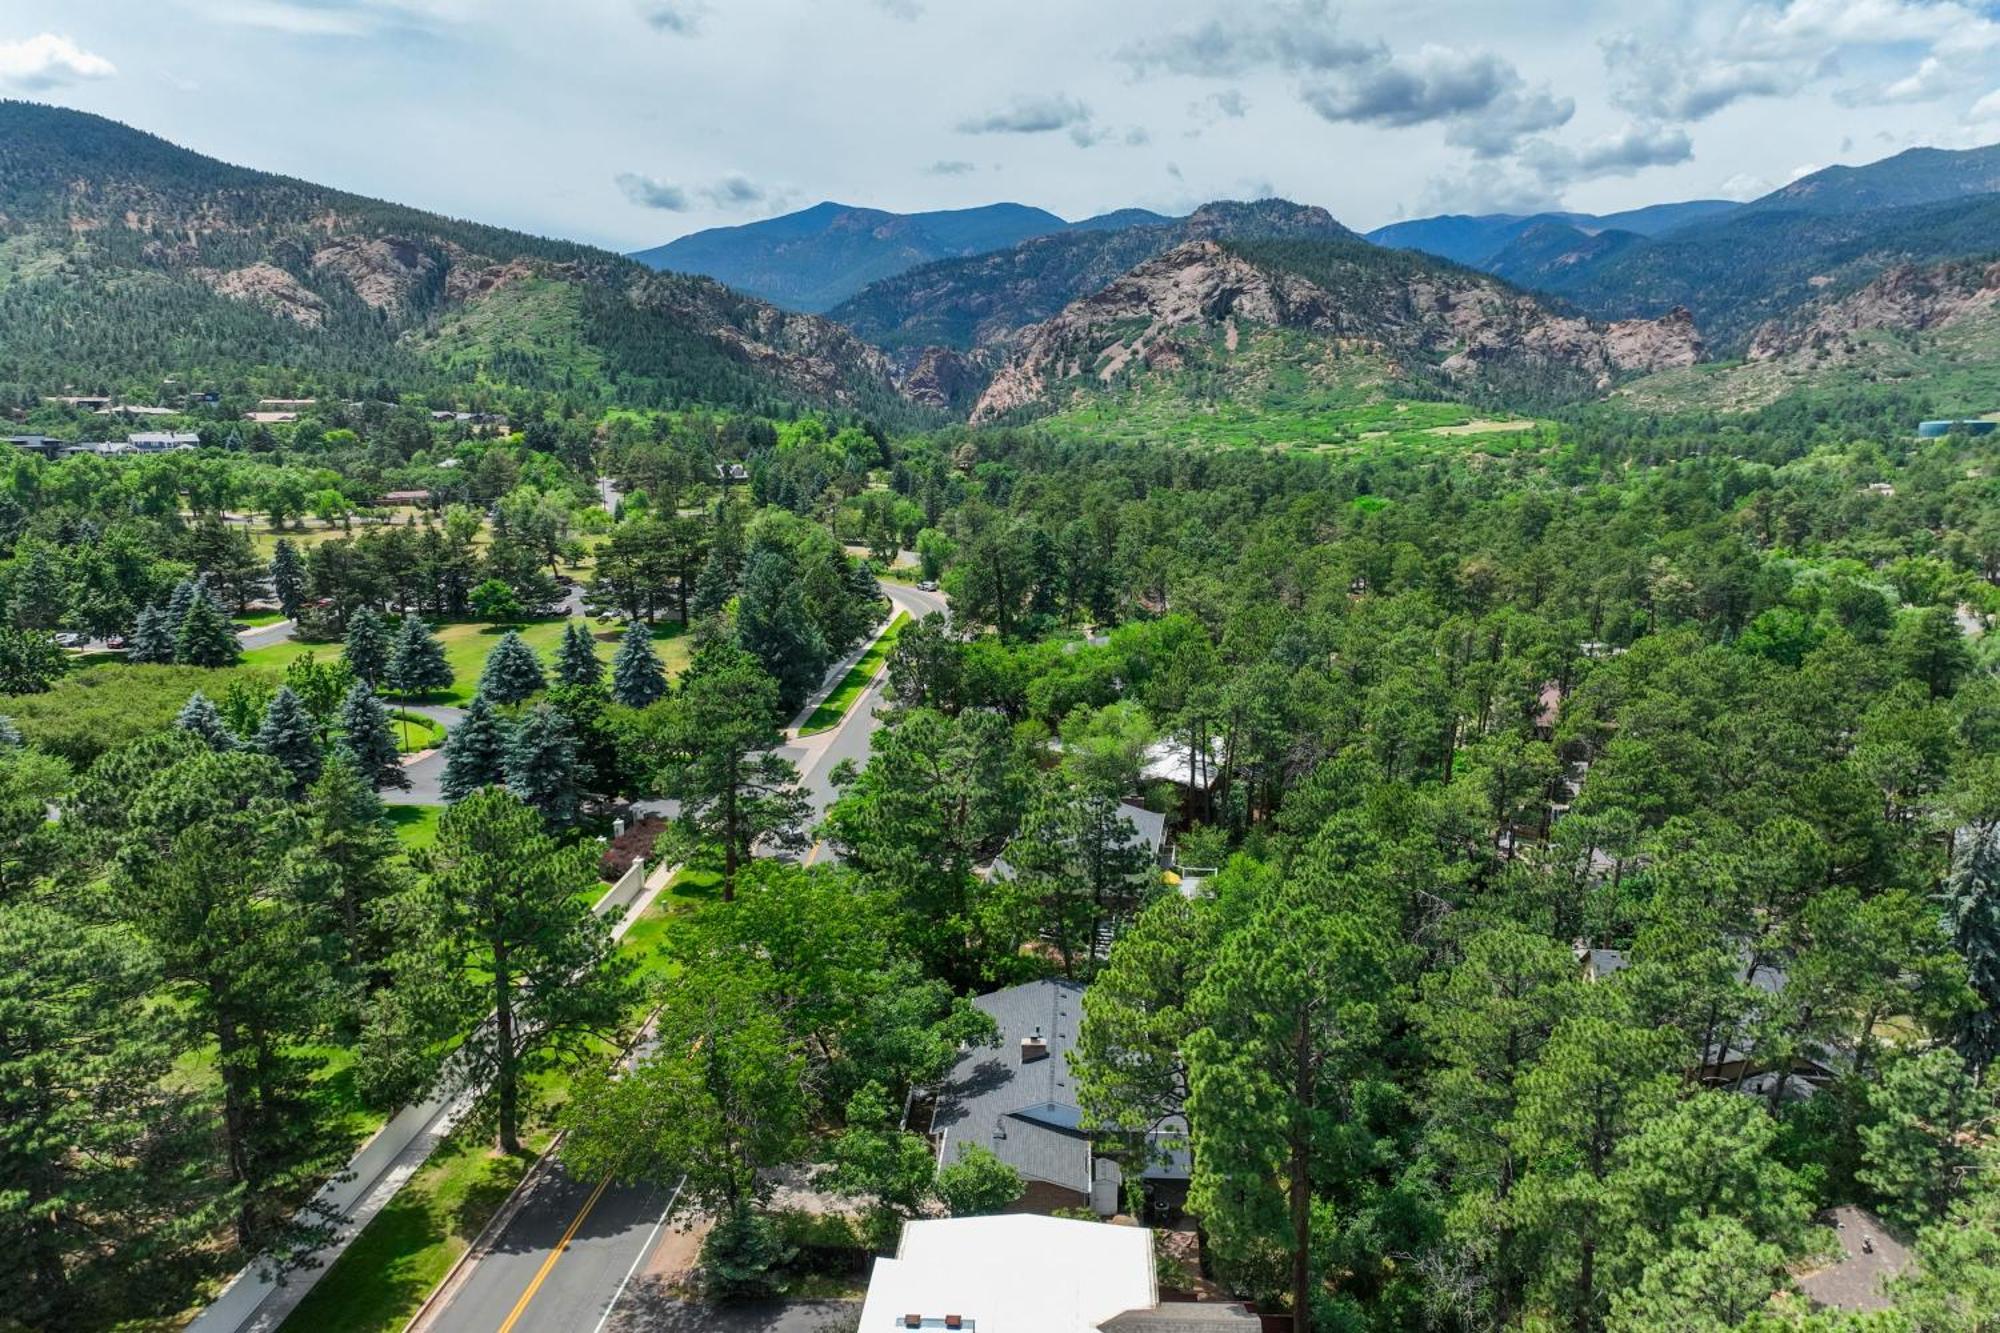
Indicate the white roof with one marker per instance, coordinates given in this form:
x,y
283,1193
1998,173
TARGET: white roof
x,y
1017,1273
1166,760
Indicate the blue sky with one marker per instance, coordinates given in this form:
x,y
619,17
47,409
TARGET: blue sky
x,y
627,122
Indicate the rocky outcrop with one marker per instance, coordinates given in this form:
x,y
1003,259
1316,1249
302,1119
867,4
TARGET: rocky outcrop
x,y
1908,297
1406,308
386,272
944,378
1644,345
271,287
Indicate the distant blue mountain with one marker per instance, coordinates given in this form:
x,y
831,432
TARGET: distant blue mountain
x,y
815,258
1476,241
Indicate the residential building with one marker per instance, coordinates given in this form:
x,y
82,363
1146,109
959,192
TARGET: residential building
x,y
160,441
271,418
1018,1101
731,472
1731,1060
1020,1274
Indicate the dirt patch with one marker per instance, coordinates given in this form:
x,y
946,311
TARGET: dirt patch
x,y
1481,427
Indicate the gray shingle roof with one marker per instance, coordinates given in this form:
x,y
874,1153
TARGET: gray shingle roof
x,y
1184,1317
996,1101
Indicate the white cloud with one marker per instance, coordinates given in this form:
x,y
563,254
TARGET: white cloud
x,y
1031,115
1624,152
1743,185
44,61
1987,107
730,193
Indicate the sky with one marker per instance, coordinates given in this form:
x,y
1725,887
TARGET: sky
x,y
626,123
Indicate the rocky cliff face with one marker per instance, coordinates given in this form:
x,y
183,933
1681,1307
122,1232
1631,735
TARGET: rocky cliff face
x,y
271,287
1406,309
945,379
1907,297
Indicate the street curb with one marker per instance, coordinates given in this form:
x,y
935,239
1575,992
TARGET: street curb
x,y
482,1244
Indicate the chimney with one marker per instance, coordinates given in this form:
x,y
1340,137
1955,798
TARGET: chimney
x,y
954,1321
1034,1048
913,1321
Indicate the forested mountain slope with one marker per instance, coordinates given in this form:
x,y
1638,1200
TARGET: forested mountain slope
x,y
1477,240
124,259
984,300
1340,311
811,259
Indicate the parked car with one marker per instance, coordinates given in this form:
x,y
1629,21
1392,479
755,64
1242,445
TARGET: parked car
x,y
67,639
115,642
928,585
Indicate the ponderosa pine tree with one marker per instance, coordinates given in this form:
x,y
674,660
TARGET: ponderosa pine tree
x,y
200,716
1972,913
500,952
475,752
368,741
576,659
512,671
366,650
289,736
417,662
541,765
288,578
637,678
205,638
714,586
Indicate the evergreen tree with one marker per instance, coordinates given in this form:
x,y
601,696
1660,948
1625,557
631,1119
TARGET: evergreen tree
x,y
201,717
288,578
475,753
1972,914
182,600
351,860
205,637
775,627
576,659
715,585
541,765
152,638
366,651
368,741
512,671
417,664
637,678
288,736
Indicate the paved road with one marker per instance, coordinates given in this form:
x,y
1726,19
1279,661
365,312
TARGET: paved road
x,y
604,1232
427,773
573,1286
263,636
816,756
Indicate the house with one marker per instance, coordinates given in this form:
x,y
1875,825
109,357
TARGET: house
x,y
102,448
407,498
134,410
41,444
271,418
1023,1274
85,400
1732,1061
1149,832
284,404
1019,1102
726,473
161,441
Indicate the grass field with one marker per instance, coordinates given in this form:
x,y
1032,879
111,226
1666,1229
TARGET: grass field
x,y
415,732
858,676
416,825
467,645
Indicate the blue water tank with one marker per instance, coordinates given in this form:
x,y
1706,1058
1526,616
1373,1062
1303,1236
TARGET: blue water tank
x,y
1934,430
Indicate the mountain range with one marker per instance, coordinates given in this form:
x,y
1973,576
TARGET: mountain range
x,y
815,258
125,259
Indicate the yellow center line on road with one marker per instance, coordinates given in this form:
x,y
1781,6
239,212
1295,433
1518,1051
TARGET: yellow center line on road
x,y
541,1274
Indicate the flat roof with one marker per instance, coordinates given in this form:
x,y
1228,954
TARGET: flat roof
x,y
1015,1273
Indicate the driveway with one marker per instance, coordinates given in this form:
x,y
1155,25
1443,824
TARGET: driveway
x,y
648,1307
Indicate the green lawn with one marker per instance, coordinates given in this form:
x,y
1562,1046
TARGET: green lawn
x,y
403,1254
415,732
253,619
467,645
416,825
857,679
